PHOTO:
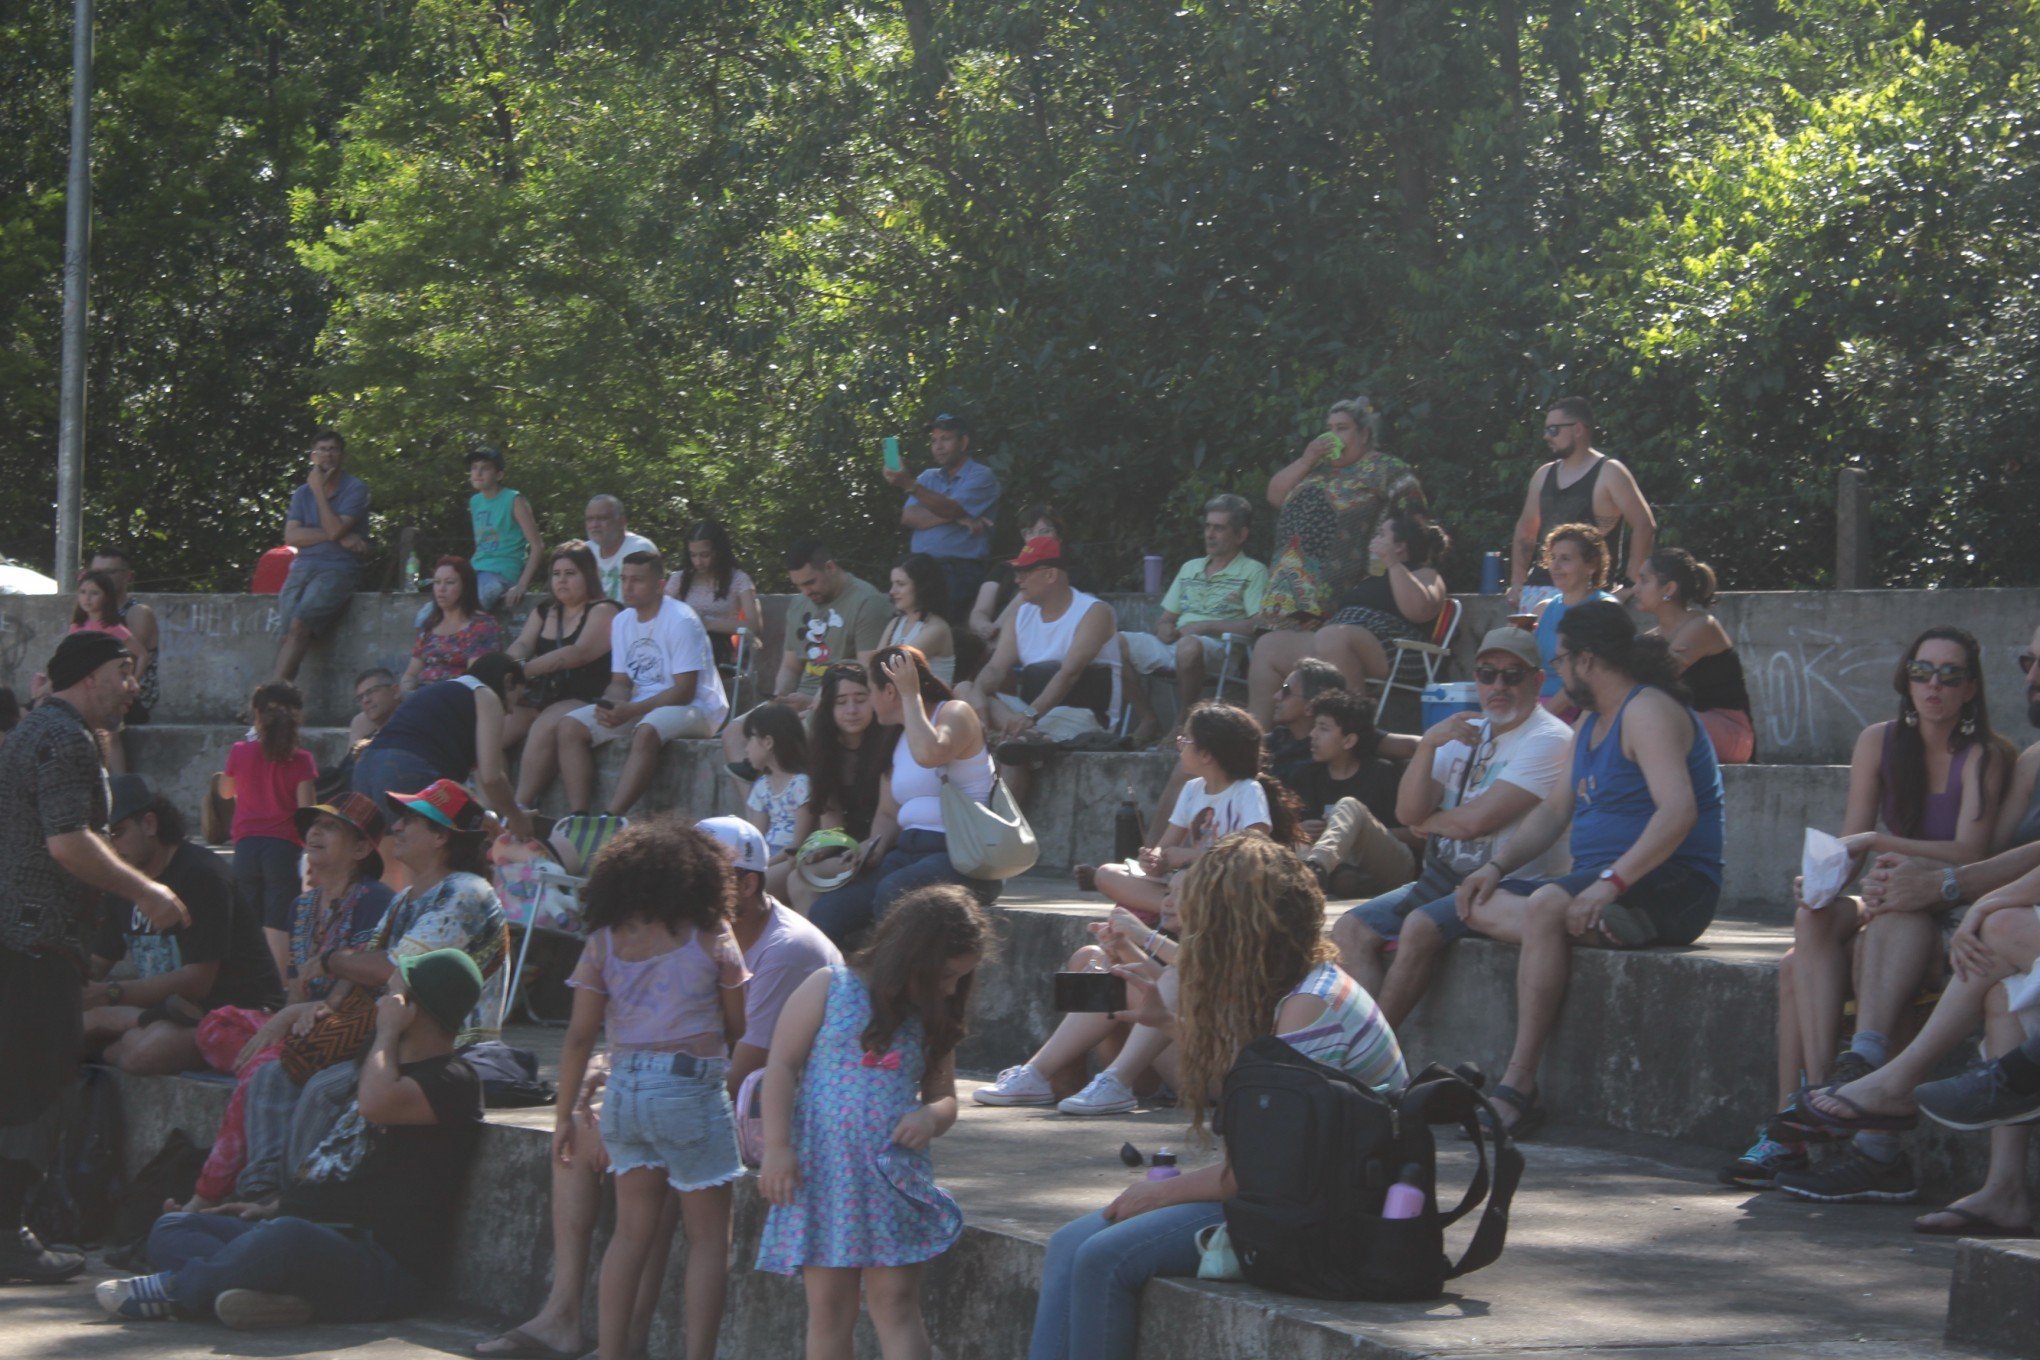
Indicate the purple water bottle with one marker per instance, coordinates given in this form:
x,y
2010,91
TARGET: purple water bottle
x,y
1151,573
1164,1164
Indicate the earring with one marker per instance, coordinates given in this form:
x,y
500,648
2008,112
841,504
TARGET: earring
x,y
1912,715
1969,719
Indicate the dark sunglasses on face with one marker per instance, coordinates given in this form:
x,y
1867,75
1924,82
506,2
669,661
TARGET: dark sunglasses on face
x,y
1509,678
1948,673
1550,430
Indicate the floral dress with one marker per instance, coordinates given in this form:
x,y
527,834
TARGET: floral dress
x,y
1322,534
445,656
863,1200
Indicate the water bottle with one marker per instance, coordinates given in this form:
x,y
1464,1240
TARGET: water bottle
x,y
1163,1166
1493,571
411,567
1128,835
1151,573
1405,1199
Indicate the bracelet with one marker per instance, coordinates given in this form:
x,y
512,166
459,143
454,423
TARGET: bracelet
x,y
1148,948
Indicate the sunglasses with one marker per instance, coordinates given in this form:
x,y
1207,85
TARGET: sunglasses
x,y
1564,425
1510,677
1948,673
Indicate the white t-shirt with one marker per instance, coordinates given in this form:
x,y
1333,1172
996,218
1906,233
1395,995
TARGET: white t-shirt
x,y
610,568
674,642
1533,757
1209,817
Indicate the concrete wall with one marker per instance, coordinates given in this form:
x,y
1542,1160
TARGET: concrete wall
x,y
1819,662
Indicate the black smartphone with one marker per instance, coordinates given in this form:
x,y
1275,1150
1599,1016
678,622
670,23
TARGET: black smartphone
x,y
605,703
1090,992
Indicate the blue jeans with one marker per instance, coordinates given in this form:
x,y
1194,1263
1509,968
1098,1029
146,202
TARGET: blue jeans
x,y
383,770
919,860
963,576
346,1278
489,588
1091,1281
266,872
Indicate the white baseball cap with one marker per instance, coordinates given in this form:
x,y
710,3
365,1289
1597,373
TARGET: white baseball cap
x,y
745,843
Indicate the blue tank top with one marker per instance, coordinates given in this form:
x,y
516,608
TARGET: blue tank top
x,y
436,724
1611,801
1547,638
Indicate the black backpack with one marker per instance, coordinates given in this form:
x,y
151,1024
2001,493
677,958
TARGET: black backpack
x,y
1313,1153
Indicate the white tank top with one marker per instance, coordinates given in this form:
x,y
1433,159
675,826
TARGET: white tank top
x,y
906,634
1039,640
917,788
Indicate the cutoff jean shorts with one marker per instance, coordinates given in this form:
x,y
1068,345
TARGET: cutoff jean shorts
x,y
671,1110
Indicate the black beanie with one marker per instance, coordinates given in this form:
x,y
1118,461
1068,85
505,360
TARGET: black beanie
x,y
80,654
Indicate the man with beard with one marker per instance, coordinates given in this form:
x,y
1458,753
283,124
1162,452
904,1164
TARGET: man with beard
x,y
1644,803
55,862
1473,782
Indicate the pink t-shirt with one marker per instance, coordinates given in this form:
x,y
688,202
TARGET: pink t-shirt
x,y
265,791
667,999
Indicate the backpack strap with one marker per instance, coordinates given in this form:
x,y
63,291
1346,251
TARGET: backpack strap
x,y
1490,1232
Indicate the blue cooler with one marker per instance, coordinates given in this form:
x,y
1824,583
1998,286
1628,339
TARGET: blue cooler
x,y
1442,701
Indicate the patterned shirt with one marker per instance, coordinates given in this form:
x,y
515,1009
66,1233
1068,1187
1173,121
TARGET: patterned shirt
x,y
1322,534
1352,1034
460,912
51,783
1201,595
351,923
446,655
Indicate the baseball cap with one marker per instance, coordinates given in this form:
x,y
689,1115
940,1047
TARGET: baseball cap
x,y
445,984
1039,550
946,421
745,843
1515,642
444,802
485,454
129,795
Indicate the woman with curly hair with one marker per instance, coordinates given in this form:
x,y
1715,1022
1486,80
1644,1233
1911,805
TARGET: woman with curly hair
x,y
1253,960
662,969
1577,557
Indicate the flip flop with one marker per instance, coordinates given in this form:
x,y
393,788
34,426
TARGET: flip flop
x,y
1972,1224
1862,1121
523,1346
1530,1112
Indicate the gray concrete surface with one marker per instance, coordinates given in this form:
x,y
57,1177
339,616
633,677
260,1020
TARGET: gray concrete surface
x,y
64,1323
1994,1297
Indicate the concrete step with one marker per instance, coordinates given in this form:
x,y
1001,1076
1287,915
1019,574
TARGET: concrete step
x,y
1075,798
1617,1247
1819,662
1994,1297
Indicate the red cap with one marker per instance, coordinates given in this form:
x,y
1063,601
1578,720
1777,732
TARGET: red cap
x,y
1039,550
446,803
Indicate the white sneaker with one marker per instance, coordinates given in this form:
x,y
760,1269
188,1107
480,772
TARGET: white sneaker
x,y
1106,1094
1020,1085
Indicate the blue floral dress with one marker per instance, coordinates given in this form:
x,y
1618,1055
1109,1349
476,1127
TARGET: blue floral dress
x,y
863,1201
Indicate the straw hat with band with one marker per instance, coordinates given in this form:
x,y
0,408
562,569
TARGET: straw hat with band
x,y
358,811
828,841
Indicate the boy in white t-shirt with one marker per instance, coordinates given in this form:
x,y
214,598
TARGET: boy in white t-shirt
x,y
663,684
1473,780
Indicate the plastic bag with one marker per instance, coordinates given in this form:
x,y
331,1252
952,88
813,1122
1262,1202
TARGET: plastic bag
x,y
1823,869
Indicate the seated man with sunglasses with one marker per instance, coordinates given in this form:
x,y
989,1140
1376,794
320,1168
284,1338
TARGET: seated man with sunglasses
x,y
1474,779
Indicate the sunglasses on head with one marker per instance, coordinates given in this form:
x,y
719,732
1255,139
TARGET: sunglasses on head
x,y
1511,676
1948,673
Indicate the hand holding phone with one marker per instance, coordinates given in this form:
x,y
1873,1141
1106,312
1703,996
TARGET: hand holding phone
x,y
1092,993
892,454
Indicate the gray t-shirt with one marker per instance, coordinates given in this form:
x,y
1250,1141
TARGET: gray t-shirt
x,y
786,954
823,635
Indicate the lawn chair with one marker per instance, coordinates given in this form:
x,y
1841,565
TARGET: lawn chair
x,y
1429,657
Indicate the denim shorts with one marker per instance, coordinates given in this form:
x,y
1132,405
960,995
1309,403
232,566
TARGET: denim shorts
x,y
655,1116
1432,895
316,596
1677,899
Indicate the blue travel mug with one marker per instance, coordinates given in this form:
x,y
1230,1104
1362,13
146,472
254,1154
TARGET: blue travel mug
x,y
1493,571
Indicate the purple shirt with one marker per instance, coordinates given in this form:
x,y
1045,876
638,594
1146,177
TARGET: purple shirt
x,y
787,952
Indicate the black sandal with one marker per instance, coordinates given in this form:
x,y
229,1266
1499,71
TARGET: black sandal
x,y
1530,1113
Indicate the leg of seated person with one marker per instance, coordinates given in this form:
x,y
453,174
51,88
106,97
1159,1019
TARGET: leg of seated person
x,y
1898,948
266,1120
325,1098
161,1048
1137,1055
832,1302
1354,835
639,766
1146,724
290,652
576,1200
1417,953
845,912
1275,656
1363,954
1537,924
921,861
1820,941
1791,1046
1138,893
1094,1271
575,747
2002,1199
893,1296
1357,653
344,1279
107,1025
1189,676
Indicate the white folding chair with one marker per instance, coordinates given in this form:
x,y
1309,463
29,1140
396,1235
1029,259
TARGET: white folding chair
x,y
1430,657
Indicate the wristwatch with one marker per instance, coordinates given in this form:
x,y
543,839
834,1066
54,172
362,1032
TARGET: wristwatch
x,y
1029,710
1951,889
113,993
1610,876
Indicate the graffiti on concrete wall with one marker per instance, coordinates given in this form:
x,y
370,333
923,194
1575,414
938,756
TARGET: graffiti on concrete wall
x,y
1816,689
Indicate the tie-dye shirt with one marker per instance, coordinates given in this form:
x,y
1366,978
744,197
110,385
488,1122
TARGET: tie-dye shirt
x,y
1351,1035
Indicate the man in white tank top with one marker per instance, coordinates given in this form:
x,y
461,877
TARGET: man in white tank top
x,y
1054,623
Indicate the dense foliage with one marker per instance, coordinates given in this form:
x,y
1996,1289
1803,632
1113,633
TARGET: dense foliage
x,y
705,255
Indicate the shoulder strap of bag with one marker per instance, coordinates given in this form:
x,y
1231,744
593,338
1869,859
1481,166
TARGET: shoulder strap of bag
x,y
1489,1234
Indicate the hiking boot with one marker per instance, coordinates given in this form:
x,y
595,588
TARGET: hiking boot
x,y
1106,1094
1020,1085
1853,1179
249,1310
25,1260
143,1298
1978,1099
1758,1168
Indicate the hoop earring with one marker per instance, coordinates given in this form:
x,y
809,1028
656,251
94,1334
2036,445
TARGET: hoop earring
x,y
1968,727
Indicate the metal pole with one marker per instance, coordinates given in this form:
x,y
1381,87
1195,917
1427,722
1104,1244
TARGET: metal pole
x,y
77,263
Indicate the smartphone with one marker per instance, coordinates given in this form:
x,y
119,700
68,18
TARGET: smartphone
x,y
605,703
1090,992
892,453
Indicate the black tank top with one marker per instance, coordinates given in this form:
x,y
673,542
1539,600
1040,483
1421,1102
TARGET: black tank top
x,y
1717,682
586,682
1573,504
436,724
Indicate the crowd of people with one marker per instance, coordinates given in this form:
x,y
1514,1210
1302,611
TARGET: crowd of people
x,y
785,981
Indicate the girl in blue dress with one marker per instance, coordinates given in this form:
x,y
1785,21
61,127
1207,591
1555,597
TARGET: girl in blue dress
x,y
861,1079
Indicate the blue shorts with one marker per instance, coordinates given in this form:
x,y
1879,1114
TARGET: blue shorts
x,y
1676,898
383,770
679,1121
1432,895
316,596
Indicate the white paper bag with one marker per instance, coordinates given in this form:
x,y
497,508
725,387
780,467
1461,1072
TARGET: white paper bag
x,y
1823,869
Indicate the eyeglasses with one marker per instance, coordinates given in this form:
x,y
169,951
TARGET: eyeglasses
x,y
1557,657
1949,673
1510,677
1550,430
2026,660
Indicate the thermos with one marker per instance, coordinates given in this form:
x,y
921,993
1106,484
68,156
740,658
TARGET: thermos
x,y
1128,835
1151,573
1493,572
